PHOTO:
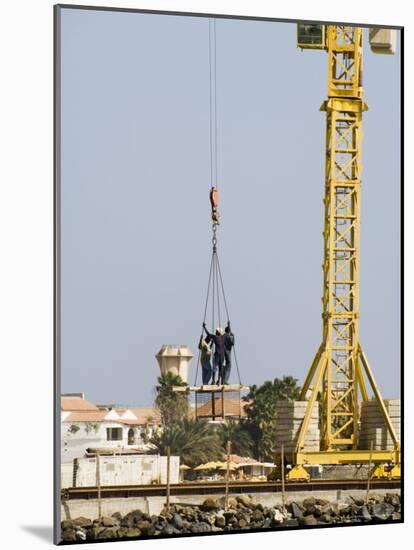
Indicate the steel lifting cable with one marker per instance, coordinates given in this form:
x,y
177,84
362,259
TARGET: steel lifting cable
x,y
218,293
215,277
205,315
215,102
228,319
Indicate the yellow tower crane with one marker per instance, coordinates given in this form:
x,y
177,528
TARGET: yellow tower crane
x,y
337,372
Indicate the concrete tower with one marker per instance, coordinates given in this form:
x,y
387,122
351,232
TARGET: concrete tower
x,y
175,359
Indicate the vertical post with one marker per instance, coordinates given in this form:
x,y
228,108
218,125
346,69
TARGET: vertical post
x,y
213,405
369,472
75,471
282,452
167,504
98,484
226,506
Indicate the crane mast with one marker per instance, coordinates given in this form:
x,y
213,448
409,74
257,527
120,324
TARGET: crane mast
x,y
344,108
337,372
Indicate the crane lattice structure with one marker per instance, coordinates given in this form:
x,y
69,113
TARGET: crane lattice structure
x,y
338,369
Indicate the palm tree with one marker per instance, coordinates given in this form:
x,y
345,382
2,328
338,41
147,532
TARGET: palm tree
x,y
238,436
261,412
286,388
173,405
194,441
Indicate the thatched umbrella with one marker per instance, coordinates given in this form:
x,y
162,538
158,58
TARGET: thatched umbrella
x,y
208,466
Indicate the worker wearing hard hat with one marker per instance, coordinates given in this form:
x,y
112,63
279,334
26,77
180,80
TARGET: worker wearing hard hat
x,y
218,358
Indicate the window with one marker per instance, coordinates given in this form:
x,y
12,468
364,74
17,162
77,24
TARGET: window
x,y
114,434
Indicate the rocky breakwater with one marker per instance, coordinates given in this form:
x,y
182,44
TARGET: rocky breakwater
x,y
242,515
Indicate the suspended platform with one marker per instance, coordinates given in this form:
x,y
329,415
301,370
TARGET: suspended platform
x,y
216,402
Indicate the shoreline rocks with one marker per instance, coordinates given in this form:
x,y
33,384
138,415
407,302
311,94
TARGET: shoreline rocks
x,y
242,515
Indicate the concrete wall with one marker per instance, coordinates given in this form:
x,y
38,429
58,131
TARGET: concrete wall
x,y
122,470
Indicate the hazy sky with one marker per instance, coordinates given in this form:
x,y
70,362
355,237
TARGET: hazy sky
x,y
135,213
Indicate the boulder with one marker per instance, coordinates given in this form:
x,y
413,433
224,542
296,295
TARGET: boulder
x,y
177,521
325,518
278,517
393,499
245,500
168,529
109,521
82,522
108,533
122,531
210,504
382,511
66,524
117,516
309,520
200,527
232,502
133,532
69,535
132,518
294,509
220,521
365,513
144,526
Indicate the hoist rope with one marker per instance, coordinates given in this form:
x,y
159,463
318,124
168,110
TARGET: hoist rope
x,y
215,279
213,101
228,318
211,98
205,316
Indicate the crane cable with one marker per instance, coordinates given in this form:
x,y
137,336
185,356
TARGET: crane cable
x,y
215,283
215,279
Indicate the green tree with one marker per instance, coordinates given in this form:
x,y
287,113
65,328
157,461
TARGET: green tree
x,y
194,441
173,405
261,413
238,435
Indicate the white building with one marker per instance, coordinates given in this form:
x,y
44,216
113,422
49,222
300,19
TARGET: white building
x,y
120,470
84,426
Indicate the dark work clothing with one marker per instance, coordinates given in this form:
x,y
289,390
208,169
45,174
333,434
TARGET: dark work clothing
x,y
219,351
218,340
228,345
218,362
228,341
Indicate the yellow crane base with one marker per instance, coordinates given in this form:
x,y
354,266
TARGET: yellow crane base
x,y
381,471
386,464
298,473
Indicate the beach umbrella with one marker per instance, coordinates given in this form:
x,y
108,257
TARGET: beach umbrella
x,y
207,466
223,466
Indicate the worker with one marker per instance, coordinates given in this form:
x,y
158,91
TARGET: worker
x,y
228,345
215,215
205,358
218,358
